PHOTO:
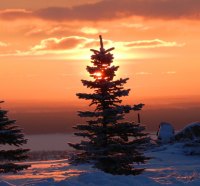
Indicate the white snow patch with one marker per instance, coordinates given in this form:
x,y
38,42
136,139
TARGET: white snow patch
x,y
165,132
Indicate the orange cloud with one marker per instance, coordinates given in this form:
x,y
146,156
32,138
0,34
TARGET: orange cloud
x,y
163,9
59,44
77,47
151,44
48,29
53,45
104,10
3,44
11,14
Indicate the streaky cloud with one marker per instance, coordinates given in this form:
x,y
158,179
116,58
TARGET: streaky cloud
x,y
112,9
12,14
3,44
70,44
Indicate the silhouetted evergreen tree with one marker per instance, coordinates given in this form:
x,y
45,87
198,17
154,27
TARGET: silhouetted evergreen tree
x,y
11,134
113,145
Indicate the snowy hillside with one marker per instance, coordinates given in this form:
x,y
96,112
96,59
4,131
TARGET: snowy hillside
x,y
169,165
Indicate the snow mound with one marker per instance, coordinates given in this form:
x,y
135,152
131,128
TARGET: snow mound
x,y
190,132
100,178
192,148
165,132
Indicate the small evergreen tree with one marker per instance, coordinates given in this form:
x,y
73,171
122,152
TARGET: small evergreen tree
x,y
113,145
11,134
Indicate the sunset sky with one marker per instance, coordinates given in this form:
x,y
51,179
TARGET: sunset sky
x,y
45,47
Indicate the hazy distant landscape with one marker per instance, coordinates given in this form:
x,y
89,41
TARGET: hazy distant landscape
x,y
48,118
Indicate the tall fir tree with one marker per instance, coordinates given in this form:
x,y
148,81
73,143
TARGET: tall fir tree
x,y
112,144
11,135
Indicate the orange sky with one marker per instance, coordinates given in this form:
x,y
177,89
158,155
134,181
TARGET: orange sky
x,y
44,47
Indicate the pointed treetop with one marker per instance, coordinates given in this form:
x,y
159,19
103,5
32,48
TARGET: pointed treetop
x,y
102,50
101,43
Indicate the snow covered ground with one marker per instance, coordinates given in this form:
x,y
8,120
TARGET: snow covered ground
x,y
169,166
